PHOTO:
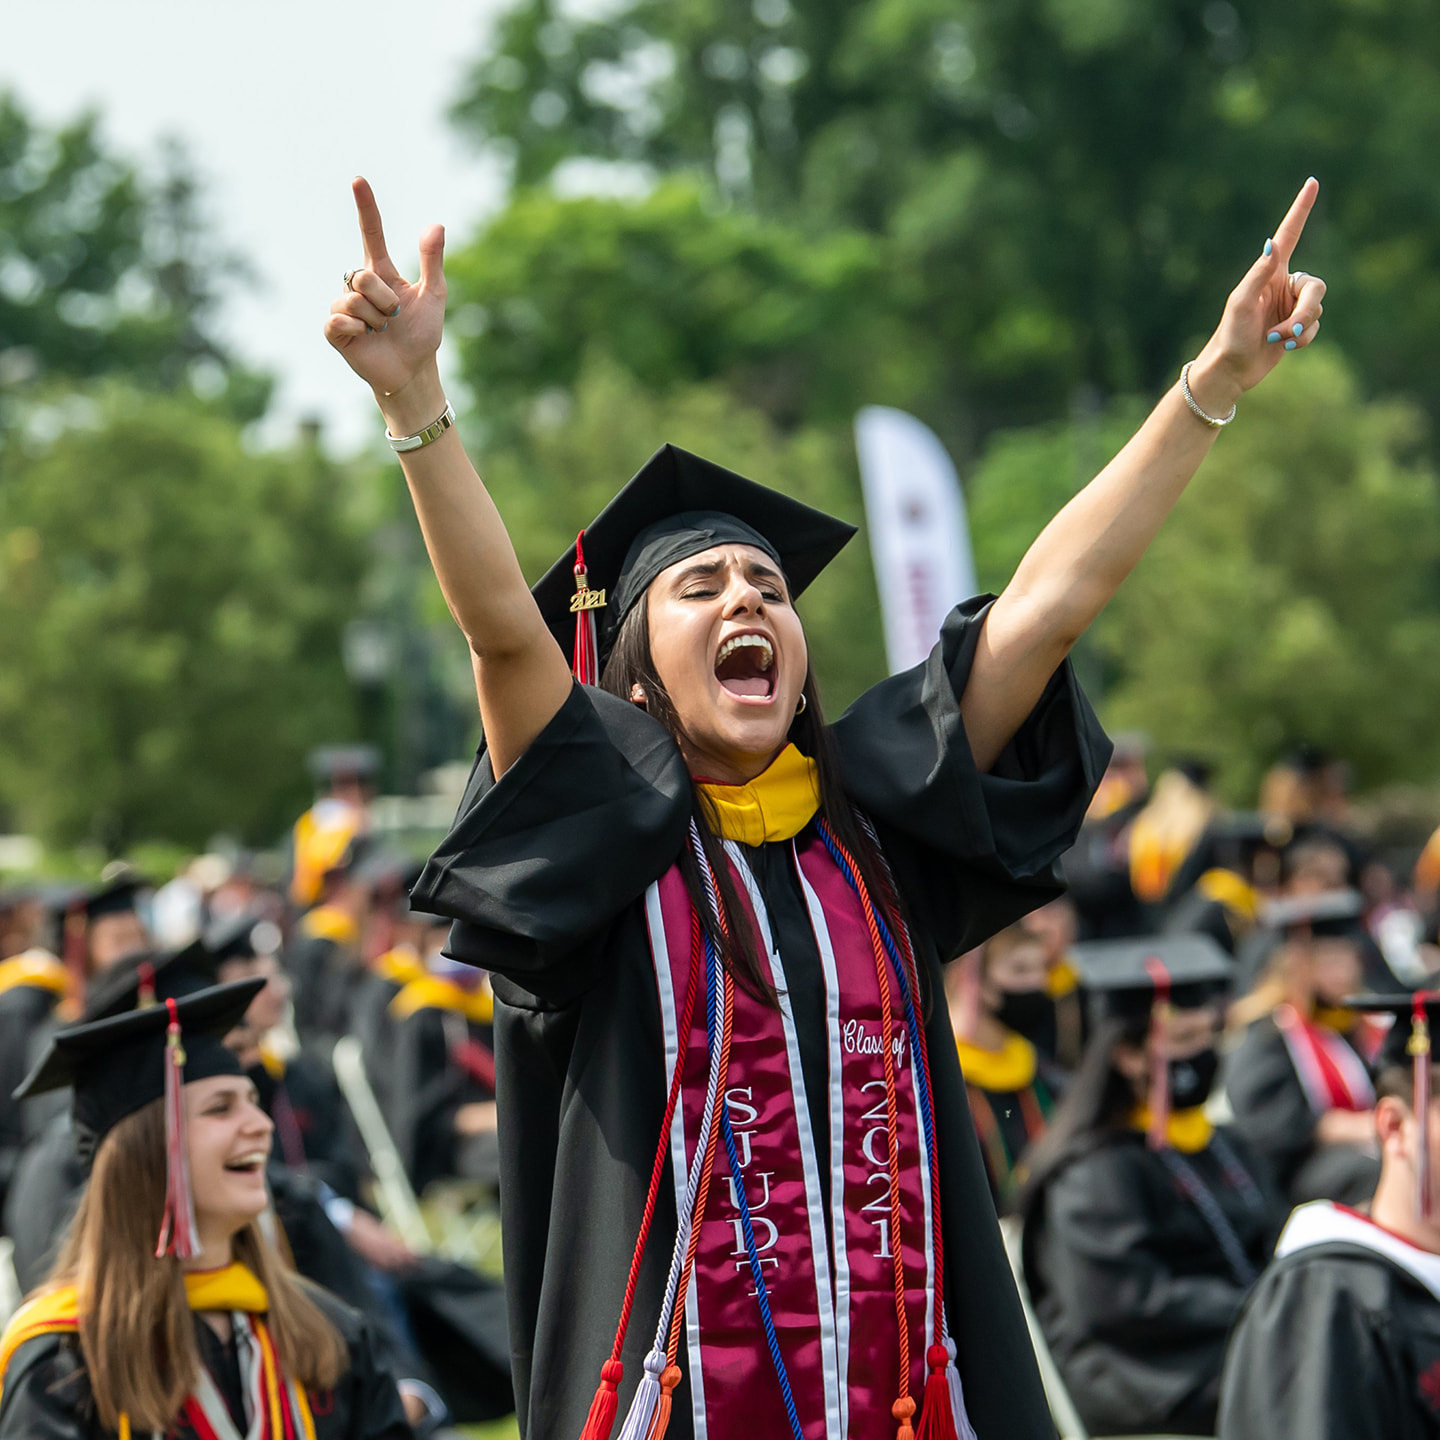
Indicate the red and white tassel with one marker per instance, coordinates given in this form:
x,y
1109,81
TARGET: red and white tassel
x,y
586,664
942,1408
1419,1048
178,1234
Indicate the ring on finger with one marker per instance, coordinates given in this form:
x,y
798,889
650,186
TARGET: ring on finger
x,y
349,279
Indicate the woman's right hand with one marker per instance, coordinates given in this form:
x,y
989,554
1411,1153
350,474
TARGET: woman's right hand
x,y
388,329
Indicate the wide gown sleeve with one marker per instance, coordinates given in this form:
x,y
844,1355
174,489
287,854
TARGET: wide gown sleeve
x,y
1306,1362
1103,1269
972,851
541,861
45,1395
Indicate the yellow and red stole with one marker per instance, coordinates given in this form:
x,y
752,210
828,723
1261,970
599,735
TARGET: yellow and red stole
x,y
279,1406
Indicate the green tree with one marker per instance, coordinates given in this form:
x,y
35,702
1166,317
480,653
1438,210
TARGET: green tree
x,y
677,291
170,615
1064,188
573,456
1294,594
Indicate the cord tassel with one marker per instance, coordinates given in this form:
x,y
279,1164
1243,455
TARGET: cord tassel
x,y
902,1411
644,1408
603,1408
937,1422
177,1227
669,1379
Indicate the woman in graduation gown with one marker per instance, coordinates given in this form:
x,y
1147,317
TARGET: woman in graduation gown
x,y
1299,1081
1144,1227
1340,1340
207,1335
715,924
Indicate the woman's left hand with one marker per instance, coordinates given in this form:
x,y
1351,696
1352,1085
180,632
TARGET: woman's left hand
x,y
1271,312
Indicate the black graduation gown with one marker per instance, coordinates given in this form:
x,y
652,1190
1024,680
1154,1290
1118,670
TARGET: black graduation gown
x,y
43,1197
24,1013
1335,1343
303,1092
47,1394
430,1085
325,971
1097,872
1131,1286
545,873
1273,1114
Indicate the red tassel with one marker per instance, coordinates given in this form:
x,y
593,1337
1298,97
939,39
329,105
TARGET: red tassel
x,y
1419,1048
936,1420
601,1419
586,664
178,1235
145,995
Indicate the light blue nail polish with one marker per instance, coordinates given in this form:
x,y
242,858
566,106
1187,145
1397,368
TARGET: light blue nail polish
x,y
1297,329
1269,246
384,327
1272,337
396,310
1289,344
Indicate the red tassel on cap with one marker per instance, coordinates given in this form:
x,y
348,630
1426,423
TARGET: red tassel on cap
x,y
585,603
1419,1048
1159,1061
145,993
178,1235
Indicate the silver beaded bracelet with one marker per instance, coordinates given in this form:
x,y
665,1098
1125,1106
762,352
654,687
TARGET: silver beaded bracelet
x,y
1210,420
400,444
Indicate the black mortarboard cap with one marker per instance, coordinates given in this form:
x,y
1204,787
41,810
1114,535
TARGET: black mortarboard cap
x,y
116,895
243,936
676,506
116,1065
149,977
1123,978
1409,1043
1329,914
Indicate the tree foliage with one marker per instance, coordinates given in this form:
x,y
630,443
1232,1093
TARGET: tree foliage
x,y
1294,594
170,614
1062,189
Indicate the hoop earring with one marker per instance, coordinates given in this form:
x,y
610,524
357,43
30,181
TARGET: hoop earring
x,y
800,708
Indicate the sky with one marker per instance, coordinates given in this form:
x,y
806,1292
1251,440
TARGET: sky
x,y
279,105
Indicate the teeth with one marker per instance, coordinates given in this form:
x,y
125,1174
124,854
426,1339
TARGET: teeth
x,y
767,657
246,1162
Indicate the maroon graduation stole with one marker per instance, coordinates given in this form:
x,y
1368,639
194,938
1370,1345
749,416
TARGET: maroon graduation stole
x,y
785,1334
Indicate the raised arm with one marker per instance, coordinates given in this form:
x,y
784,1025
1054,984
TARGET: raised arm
x,y
1070,573
389,332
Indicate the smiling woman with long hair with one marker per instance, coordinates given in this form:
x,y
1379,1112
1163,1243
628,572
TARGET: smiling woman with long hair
x,y
741,1192
210,1335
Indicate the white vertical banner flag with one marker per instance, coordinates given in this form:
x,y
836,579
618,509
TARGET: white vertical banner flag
x,y
919,536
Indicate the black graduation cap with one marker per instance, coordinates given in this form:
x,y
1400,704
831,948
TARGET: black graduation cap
x,y
1408,1043
1329,914
116,1065
243,936
116,895
1124,978
150,978
676,506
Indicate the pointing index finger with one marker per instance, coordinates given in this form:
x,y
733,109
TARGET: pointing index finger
x,y
371,230
1287,237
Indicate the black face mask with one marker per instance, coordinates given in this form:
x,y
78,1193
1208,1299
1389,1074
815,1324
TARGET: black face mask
x,y
1030,1012
1191,1079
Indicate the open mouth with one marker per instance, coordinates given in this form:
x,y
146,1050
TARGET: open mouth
x,y
251,1164
745,666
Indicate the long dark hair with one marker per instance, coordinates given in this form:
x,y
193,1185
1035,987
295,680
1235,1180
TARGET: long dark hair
x,y
1099,1098
631,663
